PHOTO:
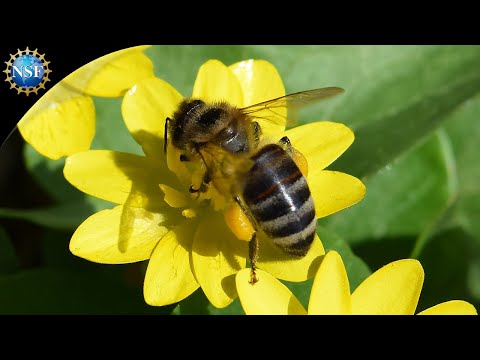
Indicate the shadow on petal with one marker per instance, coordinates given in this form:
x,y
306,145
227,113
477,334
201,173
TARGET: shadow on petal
x,y
134,217
217,238
146,194
144,191
151,144
229,287
295,307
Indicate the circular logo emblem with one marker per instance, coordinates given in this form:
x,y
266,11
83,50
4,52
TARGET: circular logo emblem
x,y
27,71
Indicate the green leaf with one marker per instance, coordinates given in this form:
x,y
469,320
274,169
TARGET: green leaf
x,y
198,304
401,200
49,175
64,216
61,291
451,263
111,132
71,206
8,258
395,95
464,131
67,284
235,308
357,270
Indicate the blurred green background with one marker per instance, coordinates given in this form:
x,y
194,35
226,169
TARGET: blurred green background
x,y
415,111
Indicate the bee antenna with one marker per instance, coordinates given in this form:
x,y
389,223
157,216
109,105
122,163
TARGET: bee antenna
x,y
165,135
197,149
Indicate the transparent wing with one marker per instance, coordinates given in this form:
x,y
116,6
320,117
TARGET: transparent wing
x,y
275,110
225,168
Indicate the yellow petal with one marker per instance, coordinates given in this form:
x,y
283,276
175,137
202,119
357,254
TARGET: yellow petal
x,y
321,142
183,170
453,307
330,290
116,176
97,239
392,290
333,191
60,123
112,74
217,256
169,277
286,267
268,296
144,108
216,82
260,81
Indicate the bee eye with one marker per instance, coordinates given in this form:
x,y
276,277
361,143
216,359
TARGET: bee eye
x,y
183,157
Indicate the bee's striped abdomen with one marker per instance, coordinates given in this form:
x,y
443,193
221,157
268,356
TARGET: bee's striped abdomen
x,y
279,199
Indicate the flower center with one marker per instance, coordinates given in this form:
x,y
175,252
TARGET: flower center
x,y
197,183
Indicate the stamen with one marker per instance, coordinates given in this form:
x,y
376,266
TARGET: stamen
x,y
173,197
189,213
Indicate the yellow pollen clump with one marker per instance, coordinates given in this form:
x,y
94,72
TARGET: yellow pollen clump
x,y
301,161
238,222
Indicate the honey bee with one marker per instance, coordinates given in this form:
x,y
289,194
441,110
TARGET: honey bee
x,y
262,178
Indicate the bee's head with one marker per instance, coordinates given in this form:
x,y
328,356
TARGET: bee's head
x,y
184,117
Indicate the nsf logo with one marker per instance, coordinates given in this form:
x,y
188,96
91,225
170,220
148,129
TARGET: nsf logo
x,y
27,71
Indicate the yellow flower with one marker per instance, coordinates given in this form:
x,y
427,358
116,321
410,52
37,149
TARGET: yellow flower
x,y
188,243
392,290
62,122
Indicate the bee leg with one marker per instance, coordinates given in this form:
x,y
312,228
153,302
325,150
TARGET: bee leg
x,y
253,255
203,187
257,133
285,143
252,244
192,190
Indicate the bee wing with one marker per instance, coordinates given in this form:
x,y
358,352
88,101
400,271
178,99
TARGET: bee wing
x,y
223,162
225,168
275,110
